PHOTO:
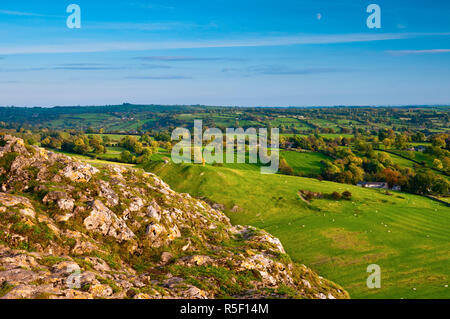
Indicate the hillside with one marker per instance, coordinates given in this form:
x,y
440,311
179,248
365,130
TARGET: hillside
x,y
407,235
71,230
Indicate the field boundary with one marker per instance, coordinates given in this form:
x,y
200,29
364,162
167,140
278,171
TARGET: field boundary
x,y
414,161
438,200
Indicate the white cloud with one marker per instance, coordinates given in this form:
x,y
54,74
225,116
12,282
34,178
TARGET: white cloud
x,y
155,26
19,13
261,41
25,14
409,52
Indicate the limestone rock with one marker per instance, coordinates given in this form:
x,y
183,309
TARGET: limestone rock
x,y
103,220
18,276
100,291
11,200
154,211
79,172
62,200
109,194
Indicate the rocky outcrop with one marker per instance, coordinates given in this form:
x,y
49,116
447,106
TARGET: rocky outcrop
x,y
104,221
79,172
71,230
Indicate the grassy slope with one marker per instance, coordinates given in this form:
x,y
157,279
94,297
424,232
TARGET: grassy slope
x,y
406,235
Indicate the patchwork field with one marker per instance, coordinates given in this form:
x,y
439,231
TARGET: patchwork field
x,y
406,235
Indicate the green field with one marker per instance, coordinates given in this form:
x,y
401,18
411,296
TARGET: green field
x,y
407,235
419,157
324,135
112,137
305,163
400,161
92,161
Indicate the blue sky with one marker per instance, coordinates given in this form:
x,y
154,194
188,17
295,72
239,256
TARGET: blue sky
x,y
224,52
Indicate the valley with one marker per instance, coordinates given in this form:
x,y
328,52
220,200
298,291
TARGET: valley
x,y
312,204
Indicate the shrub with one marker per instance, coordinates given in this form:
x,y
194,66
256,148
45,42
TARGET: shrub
x,y
308,196
336,196
7,160
347,195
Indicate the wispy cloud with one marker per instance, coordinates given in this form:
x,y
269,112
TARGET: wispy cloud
x,y
279,70
23,69
262,41
151,26
25,14
19,13
151,5
87,67
409,52
153,66
62,67
185,58
9,82
176,77
101,66
156,26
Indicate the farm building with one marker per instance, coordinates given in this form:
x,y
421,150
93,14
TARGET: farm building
x,y
374,185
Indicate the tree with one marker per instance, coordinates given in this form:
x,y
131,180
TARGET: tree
x,y
97,144
138,147
131,144
31,140
441,186
391,177
386,133
446,163
362,147
46,141
401,141
421,183
81,147
418,137
438,141
55,143
146,155
126,157
154,146
384,159
437,164
387,143
345,141
357,174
